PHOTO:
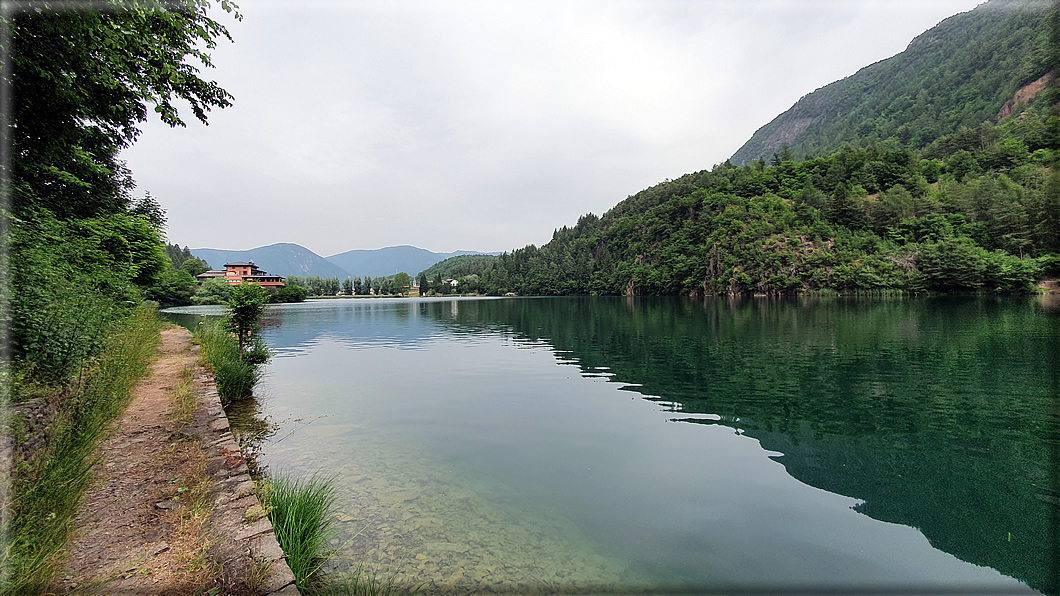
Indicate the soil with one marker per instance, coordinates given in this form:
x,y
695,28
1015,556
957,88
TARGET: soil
x,y
136,535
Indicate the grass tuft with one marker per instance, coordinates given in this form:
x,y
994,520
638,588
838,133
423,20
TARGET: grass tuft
x,y
364,582
186,400
301,513
235,378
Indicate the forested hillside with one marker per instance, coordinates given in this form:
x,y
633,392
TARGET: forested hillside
x,y
967,70
459,266
83,250
977,210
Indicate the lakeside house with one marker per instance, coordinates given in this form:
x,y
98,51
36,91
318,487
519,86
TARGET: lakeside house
x,y
237,273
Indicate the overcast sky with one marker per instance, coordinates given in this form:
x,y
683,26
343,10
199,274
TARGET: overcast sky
x,y
486,125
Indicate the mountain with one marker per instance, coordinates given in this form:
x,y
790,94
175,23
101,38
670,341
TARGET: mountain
x,y
891,203
968,69
391,260
459,266
279,259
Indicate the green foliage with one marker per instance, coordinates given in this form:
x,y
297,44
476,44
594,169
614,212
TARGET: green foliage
x,y
49,487
289,293
401,284
457,267
215,290
245,307
231,347
235,378
178,255
194,266
75,279
82,82
316,286
301,513
175,287
769,229
948,81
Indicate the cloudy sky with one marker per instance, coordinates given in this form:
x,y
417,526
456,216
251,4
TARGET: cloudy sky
x,y
458,124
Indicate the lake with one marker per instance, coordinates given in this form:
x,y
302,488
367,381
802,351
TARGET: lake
x,y
626,444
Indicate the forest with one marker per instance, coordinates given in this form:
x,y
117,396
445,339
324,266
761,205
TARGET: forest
x,y
964,71
977,210
84,251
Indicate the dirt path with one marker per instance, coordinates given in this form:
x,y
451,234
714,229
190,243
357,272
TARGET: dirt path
x,y
160,517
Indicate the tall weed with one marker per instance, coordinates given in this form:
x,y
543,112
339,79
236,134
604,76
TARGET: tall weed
x,y
46,491
235,378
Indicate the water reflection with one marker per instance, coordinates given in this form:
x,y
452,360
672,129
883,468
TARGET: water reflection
x,y
935,414
472,458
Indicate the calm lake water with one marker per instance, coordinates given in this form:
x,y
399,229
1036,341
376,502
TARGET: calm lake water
x,y
612,444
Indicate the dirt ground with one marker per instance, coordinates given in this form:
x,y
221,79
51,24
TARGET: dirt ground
x,y
142,528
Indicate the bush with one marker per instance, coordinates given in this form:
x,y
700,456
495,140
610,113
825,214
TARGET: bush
x,y
235,378
1050,265
290,293
213,291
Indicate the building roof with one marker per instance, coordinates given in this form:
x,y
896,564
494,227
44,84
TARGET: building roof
x,y
240,264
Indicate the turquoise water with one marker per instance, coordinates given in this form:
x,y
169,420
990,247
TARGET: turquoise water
x,y
610,444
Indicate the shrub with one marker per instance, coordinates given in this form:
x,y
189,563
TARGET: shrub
x,y
235,378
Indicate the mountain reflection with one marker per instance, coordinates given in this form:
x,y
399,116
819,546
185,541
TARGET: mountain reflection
x,y
938,414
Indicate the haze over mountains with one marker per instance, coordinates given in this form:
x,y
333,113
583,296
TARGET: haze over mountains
x,y
286,258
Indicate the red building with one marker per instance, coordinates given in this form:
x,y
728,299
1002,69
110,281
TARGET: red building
x,y
237,273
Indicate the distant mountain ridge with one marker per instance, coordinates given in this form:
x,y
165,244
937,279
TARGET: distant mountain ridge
x,y
283,258
392,259
960,73
292,259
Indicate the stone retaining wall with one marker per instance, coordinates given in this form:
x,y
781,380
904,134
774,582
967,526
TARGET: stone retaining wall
x,y
238,523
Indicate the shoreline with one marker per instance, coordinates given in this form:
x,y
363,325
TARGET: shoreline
x,y
173,507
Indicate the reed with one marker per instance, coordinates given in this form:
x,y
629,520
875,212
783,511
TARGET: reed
x,y
302,516
235,377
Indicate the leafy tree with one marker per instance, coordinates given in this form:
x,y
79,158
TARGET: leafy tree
x,y
245,307
347,286
178,255
401,283
194,266
114,60
213,291
1047,229
289,293
174,287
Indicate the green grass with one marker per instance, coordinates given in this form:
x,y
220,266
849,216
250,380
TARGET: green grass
x,y
301,514
361,582
235,378
47,490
